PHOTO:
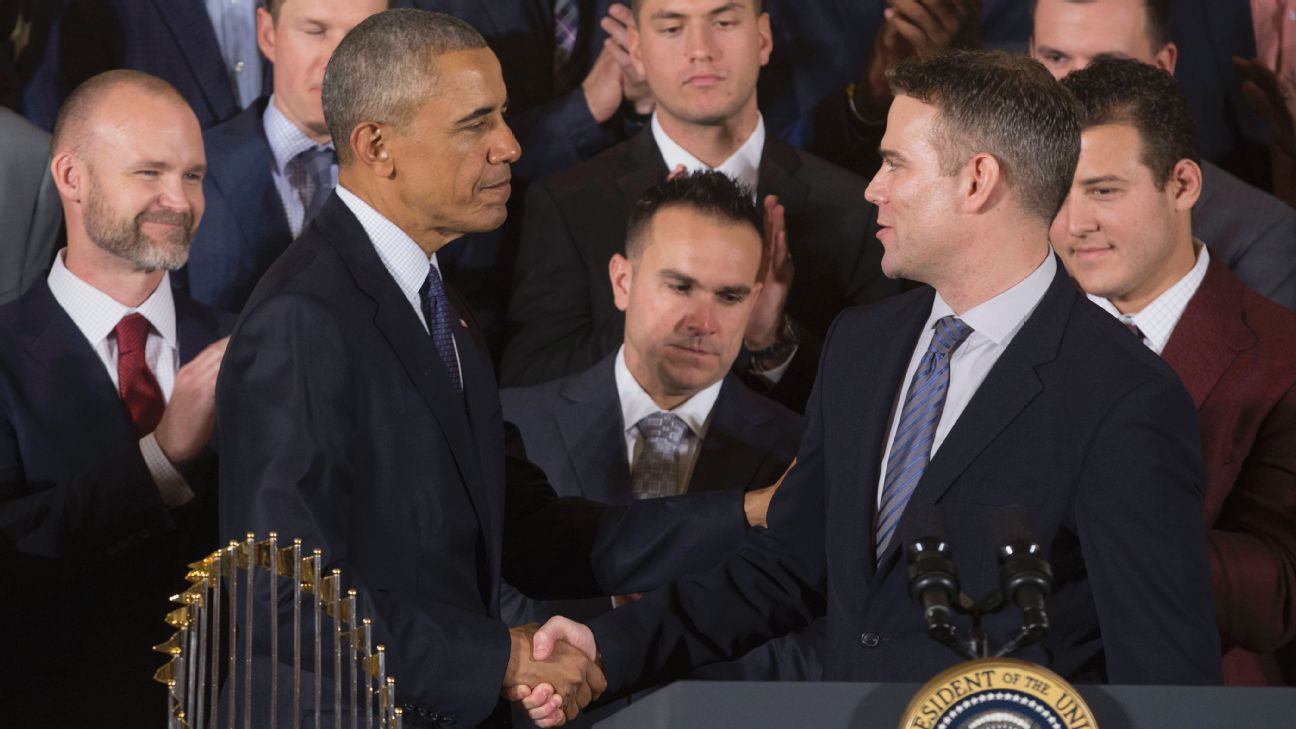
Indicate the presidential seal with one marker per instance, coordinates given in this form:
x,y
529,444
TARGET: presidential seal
x,y
997,693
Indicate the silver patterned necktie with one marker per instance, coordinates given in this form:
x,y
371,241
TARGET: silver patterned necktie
x,y
916,430
656,471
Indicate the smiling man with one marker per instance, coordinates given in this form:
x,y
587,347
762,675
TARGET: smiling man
x,y
1249,231
997,384
273,165
1130,245
701,59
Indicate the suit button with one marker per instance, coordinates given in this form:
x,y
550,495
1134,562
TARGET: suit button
x,y
870,640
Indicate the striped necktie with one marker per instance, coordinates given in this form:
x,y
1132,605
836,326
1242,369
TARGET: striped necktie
x,y
566,30
916,431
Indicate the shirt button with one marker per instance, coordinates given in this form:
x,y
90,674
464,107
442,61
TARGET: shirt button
x,y
870,640
238,67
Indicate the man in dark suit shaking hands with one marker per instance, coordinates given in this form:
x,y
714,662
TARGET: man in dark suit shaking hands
x,y
996,384
359,411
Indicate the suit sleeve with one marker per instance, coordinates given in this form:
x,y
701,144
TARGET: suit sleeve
x,y
1253,543
772,584
550,315
1138,512
286,418
557,135
109,503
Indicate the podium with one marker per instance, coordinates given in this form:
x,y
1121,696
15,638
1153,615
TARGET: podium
x,y
812,705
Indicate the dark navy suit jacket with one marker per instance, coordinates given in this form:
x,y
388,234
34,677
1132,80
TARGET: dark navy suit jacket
x,y
339,425
244,228
89,553
172,39
1087,429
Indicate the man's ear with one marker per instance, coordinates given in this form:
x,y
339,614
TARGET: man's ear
x,y
1185,184
265,33
369,142
621,271
1166,58
69,176
766,36
982,184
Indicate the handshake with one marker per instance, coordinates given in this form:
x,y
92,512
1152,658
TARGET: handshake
x,y
553,671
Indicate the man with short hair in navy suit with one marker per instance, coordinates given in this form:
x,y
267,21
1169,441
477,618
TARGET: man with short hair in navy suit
x,y
107,401
273,165
664,415
996,385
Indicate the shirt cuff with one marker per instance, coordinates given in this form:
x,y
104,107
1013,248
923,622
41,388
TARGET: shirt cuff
x,y
772,376
168,480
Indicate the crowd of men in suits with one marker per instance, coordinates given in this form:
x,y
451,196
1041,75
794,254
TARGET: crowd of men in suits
x,y
752,297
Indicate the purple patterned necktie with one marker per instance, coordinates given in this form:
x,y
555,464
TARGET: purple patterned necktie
x,y
311,175
916,431
656,470
436,312
566,28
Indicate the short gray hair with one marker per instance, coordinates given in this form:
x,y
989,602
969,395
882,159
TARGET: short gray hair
x,y
384,68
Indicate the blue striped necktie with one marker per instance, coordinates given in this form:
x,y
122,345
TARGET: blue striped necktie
x,y
916,431
436,312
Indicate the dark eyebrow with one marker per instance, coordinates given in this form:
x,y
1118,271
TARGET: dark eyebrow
x,y
476,114
733,291
1101,179
1049,50
739,289
676,15
682,278
890,155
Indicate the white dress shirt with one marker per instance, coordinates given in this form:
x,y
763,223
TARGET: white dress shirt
x,y
994,324
636,404
286,142
743,166
1158,319
400,255
96,314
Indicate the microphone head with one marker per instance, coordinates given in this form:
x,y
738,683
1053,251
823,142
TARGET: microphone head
x,y
923,529
1010,528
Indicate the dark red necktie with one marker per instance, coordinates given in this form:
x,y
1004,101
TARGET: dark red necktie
x,y
139,389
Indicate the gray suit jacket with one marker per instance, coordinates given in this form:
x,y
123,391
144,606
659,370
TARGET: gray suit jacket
x,y
31,217
1251,231
573,430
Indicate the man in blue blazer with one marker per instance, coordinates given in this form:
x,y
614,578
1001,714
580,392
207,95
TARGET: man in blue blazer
x,y
997,385
176,40
107,384
593,432
271,166
358,408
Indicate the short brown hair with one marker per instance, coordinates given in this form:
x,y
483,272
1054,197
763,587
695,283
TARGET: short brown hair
x,y
1124,91
1004,105
710,193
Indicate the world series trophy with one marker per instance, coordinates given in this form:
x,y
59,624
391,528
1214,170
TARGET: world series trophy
x,y
213,645
990,690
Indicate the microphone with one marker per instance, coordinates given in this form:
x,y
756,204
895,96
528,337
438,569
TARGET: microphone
x,y
1024,573
932,580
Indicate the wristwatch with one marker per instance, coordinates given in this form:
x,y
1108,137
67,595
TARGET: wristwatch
x,y
777,353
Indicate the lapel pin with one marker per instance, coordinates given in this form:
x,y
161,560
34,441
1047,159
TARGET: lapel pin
x,y
463,323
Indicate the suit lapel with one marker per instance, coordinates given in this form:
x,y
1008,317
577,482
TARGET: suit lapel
x,y
1210,334
1009,387
867,407
399,325
736,443
196,39
778,163
644,166
242,175
54,341
593,433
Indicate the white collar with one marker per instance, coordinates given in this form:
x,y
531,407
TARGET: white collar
x,y
1158,319
401,256
96,314
998,319
743,166
636,404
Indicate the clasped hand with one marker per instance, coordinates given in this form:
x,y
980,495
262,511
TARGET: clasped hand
x,y
553,671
